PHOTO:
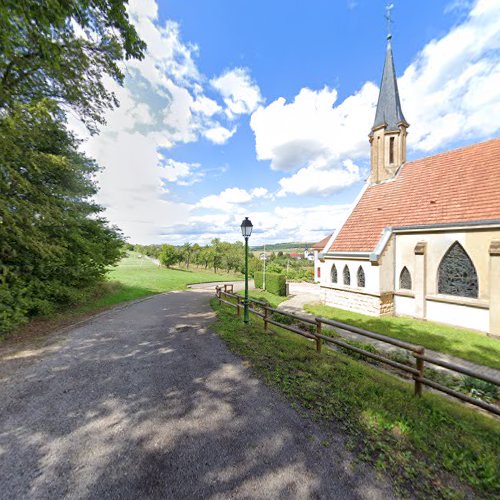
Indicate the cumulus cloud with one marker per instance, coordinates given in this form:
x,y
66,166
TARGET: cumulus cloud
x,y
219,134
450,93
228,199
181,173
279,224
240,94
311,131
452,90
164,102
311,180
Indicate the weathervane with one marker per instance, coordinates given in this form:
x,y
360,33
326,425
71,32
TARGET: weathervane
x,y
388,16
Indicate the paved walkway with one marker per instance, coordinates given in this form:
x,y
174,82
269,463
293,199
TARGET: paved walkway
x,y
305,293
144,401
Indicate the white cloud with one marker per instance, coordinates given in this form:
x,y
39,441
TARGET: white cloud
x,y
241,95
452,90
279,224
219,134
181,173
311,180
311,131
228,199
163,103
450,93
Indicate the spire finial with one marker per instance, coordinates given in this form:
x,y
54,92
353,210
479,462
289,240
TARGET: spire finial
x,y
388,16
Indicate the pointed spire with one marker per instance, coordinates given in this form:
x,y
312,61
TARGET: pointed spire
x,y
389,111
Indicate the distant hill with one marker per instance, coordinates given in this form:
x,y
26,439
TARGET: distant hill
x,y
276,247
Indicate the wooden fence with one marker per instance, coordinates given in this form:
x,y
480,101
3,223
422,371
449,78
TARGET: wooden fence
x,y
316,333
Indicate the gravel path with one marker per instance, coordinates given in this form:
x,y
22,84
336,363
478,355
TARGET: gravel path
x,y
145,401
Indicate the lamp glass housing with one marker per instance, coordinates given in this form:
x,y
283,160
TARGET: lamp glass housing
x,y
246,228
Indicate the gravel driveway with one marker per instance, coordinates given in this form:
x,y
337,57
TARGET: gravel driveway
x,y
145,402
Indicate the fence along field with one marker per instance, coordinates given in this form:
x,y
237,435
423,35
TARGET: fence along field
x,y
262,310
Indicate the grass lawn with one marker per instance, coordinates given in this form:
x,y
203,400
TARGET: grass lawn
x,y
274,300
438,337
137,277
430,446
132,278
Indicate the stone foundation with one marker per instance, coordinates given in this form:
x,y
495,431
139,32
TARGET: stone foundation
x,y
351,301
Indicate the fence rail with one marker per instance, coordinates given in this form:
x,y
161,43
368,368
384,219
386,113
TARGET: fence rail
x,y
417,352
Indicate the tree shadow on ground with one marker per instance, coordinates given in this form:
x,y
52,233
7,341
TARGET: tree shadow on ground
x,y
149,403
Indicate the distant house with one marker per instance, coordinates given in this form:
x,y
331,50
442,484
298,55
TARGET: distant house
x,y
308,254
264,256
295,255
423,237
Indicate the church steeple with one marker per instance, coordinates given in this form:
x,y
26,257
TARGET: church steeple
x,y
388,134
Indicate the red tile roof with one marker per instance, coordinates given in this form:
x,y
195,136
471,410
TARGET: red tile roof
x,y
462,185
321,244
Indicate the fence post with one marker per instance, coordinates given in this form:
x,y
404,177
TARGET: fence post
x,y
420,367
265,317
318,332
238,310
218,293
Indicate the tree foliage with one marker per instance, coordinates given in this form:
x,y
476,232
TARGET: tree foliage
x,y
55,246
63,50
53,242
169,255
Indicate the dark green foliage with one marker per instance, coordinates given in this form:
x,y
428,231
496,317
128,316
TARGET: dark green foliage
x,y
62,50
258,278
54,245
480,389
276,283
284,319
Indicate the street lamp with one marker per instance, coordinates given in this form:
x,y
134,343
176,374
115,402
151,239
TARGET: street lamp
x,y
246,231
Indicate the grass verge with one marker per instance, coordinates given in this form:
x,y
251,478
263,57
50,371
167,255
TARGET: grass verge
x,y
452,340
133,278
430,446
273,300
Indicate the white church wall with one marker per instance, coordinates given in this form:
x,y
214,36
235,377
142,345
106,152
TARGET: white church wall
x,y
404,306
459,315
365,300
372,281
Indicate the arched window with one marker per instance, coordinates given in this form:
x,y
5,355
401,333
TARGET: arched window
x,y
457,274
405,279
361,277
334,273
347,275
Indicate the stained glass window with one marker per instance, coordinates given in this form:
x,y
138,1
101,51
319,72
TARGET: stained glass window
x,y
334,274
457,274
405,279
347,276
361,277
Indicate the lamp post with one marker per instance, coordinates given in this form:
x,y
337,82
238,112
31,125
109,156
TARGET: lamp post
x,y
246,231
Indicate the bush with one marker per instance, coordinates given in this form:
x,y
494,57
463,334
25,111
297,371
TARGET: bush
x,y
282,318
276,283
479,389
258,278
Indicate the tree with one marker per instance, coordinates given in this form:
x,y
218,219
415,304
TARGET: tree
x,y
169,255
63,50
186,251
54,244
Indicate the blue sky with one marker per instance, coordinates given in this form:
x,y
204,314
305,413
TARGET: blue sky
x,y
263,109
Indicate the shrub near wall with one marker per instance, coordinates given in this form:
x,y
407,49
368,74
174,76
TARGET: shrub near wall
x,y
258,279
275,283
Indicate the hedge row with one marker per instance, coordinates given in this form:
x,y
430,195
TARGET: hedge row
x,y
275,283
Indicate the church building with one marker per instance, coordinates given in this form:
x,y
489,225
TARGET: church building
x,y
423,237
